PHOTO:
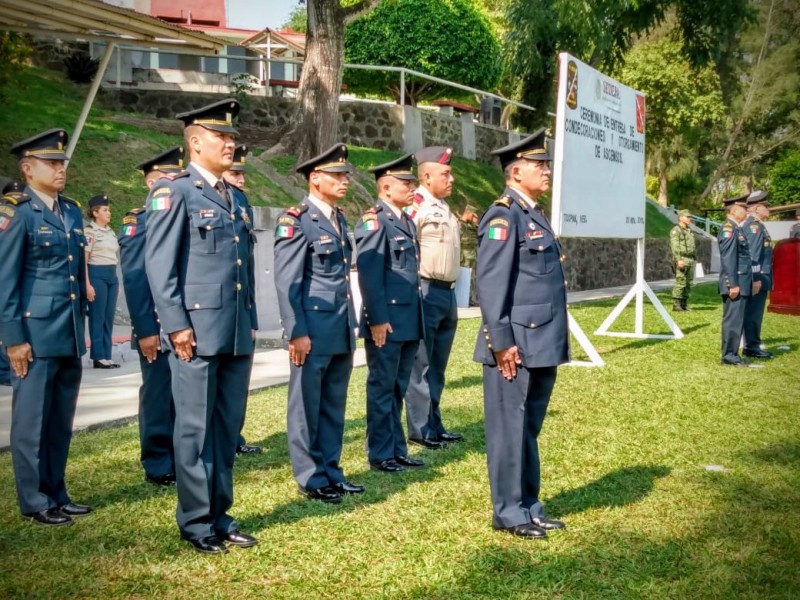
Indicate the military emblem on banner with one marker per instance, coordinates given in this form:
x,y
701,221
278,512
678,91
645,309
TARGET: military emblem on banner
x,y
640,113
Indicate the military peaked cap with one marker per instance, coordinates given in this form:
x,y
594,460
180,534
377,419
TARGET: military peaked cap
x,y
169,161
400,168
534,147
333,160
217,117
49,145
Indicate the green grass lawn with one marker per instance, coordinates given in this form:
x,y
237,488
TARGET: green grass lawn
x,y
625,450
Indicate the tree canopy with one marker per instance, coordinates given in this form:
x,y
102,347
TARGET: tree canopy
x,y
449,39
600,33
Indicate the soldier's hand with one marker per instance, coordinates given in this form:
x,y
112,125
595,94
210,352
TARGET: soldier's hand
x,y
756,287
507,361
19,356
90,295
379,333
183,342
150,346
733,293
299,349
681,264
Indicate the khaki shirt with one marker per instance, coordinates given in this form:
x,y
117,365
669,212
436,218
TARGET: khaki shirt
x,y
439,237
102,247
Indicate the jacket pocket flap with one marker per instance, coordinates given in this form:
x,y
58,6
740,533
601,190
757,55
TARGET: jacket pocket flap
x,y
197,297
532,315
39,307
396,294
320,301
204,220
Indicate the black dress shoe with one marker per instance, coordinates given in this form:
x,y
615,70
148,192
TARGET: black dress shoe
x,y
164,480
386,466
735,363
450,436
209,545
51,516
101,365
238,538
428,443
407,461
526,530
757,353
75,510
327,494
248,449
345,487
548,524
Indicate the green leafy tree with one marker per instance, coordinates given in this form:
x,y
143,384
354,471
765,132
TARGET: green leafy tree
x,y
14,50
600,33
683,102
784,179
449,39
298,20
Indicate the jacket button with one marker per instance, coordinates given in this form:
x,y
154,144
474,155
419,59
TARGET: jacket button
x,y
28,313
67,236
208,227
236,239
487,337
316,307
69,257
72,277
197,306
239,261
47,243
72,296
488,345
533,325
238,287
394,301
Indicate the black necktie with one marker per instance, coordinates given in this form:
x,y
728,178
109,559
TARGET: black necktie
x,y
223,192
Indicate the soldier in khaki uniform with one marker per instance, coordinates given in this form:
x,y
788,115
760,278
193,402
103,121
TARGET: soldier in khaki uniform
x,y
440,251
469,247
684,255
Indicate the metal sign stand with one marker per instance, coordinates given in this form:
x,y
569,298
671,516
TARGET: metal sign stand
x,y
638,290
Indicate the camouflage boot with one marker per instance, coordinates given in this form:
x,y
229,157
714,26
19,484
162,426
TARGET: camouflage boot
x,y
684,307
677,305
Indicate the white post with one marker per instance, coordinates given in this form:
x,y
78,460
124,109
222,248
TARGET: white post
x,y
119,68
639,328
402,87
87,104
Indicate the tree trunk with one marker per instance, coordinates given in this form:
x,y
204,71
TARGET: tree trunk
x,y
316,120
315,125
662,184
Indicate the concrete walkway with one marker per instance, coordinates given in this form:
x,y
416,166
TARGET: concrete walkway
x,y
110,397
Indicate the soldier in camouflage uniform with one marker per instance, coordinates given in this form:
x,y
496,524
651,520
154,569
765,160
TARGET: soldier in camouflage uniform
x,y
469,247
681,243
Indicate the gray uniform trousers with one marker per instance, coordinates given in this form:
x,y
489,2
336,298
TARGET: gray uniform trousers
x,y
732,326
515,411
425,387
315,418
209,393
42,412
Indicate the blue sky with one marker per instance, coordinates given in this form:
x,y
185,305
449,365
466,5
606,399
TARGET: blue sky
x,y
258,14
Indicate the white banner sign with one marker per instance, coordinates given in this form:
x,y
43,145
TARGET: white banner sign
x,y
598,166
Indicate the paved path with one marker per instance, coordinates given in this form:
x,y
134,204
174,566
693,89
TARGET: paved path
x,y
110,397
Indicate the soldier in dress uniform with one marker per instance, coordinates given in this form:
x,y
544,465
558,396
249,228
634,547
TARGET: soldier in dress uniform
x,y
42,311
469,220
760,243
523,337
391,313
794,232
440,249
156,406
235,177
13,189
735,278
684,255
198,254
313,257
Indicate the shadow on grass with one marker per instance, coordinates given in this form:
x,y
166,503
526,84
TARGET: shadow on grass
x,y
465,381
787,454
379,486
622,487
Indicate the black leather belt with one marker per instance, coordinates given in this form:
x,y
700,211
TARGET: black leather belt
x,y
437,283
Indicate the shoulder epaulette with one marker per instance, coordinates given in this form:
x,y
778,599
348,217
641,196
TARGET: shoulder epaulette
x,y
136,211
727,225
298,210
373,210
71,201
16,198
174,176
129,220
504,200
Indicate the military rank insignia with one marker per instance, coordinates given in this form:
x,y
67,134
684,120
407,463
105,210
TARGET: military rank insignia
x,y
284,231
